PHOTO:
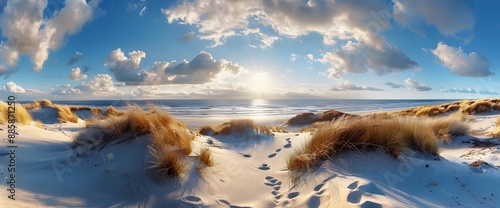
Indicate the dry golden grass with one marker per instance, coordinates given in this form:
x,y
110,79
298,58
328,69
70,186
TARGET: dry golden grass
x,y
79,108
38,124
171,139
96,111
111,111
240,127
206,157
168,162
38,104
21,114
394,135
430,111
479,106
65,114
309,118
496,130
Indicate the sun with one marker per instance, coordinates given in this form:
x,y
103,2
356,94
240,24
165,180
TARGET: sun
x,y
260,83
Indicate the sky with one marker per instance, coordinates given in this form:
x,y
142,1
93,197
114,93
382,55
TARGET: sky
x,y
260,49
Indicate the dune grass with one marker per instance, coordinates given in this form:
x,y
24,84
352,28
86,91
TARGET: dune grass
x,y
309,118
111,111
65,114
170,139
241,127
38,104
479,106
21,114
496,130
169,163
395,135
205,157
96,111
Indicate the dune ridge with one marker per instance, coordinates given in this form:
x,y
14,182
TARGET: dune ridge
x,y
168,136
395,135
242,127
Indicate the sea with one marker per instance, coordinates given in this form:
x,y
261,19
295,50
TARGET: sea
x,y
196,113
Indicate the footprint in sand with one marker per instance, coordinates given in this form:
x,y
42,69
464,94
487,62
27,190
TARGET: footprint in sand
x,y
293,195
229,204
354,197
318,187
276,185
287,145
264,167
246,155
272,155
209,141
192,200
370,204
278,150
353,185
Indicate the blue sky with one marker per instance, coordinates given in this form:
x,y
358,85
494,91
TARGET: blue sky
x,y
271,49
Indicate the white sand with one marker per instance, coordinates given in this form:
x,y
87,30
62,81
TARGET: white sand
x,y
247,174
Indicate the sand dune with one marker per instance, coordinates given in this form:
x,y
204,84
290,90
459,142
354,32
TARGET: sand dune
x,y
147,158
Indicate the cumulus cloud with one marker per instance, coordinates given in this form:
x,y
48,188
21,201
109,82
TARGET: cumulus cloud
x,y
77,74
394,85
293,57
361,58
28,32
468,90
100,84
65,91
203,68
461,63
188,36
412,84
334,20
266,40
310,57
11,87
75,58
347,85
449,16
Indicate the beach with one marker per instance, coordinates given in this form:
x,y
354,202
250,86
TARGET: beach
x,y
249,163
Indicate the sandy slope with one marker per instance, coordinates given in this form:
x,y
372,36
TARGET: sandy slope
x,y
248,173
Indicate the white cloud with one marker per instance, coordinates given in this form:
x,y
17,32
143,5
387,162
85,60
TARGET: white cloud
x,y
67,85
143,11
460,63
27,31
293,57
361,58
394,85
412,84
347,85
203,68
310,57
76,74
468,90
100,84
75,58
343,20
68,91
11,87
449,16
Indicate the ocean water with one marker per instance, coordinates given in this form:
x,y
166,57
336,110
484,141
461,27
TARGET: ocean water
x,y
197,113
